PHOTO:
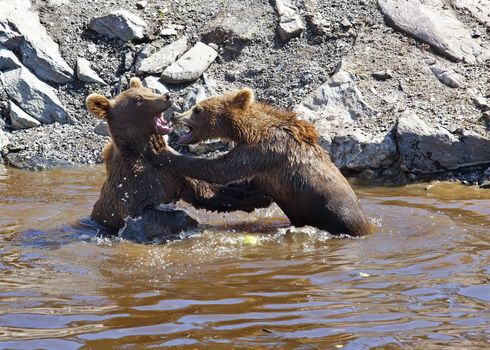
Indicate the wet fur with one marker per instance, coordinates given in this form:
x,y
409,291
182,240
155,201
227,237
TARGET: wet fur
x,y
133,184
281,153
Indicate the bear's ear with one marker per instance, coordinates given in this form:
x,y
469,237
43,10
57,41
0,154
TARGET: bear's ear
x,y
242,98
135,83
98,105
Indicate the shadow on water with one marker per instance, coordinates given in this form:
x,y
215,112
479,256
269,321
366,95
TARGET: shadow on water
x,y
243,281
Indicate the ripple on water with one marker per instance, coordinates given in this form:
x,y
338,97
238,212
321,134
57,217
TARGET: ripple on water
x,y
244,280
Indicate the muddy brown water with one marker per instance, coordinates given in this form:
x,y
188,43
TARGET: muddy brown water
x,y
244,281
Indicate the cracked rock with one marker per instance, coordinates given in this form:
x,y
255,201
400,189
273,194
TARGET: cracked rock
x,y
431,23
21,30
158,61
191,65
290,23
120,24
35,97
430,149
447,77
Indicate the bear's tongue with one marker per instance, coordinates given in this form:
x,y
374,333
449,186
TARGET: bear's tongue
x,y
161,125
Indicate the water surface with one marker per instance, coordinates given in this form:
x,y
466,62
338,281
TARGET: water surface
x,y
245,281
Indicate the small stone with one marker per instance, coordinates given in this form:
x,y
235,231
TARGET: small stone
x,y
447,77
3,140
382,74
168,32
20,119
92,48
345,23
141,4
87,74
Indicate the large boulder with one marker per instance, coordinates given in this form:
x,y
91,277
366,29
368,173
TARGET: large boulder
x,y
20,119
119,24
429,21
357,150
336,103
21,30
35,97
429,149
191,65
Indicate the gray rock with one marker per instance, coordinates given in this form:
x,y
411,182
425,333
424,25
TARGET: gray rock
x,y
334,104
171,30
157,62
35,97
290,23
20,119
480,9
3,140
21,30
191,65
447,77
157,226
431,23
430,149
87,74
197,94
480,101
8,60
228,26
128,60
102,129
155,84
22,161
382,74
141,4
119,24
355,150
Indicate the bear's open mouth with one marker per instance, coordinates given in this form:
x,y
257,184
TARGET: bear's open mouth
x,y
186,136
161,125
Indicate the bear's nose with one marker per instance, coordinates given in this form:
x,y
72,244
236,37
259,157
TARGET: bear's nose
x,y
167,96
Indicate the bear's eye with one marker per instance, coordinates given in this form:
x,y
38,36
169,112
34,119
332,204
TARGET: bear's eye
x,y
197,110
139,100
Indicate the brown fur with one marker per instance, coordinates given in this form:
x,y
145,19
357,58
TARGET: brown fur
x,y
133,184
280,152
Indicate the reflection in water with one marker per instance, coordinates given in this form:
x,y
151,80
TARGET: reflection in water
x,y
244,281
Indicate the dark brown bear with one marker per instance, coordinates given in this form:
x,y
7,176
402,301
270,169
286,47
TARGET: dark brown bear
x,y
280,152
134,187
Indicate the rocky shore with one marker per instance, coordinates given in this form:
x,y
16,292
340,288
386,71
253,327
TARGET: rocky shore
x,y
397,89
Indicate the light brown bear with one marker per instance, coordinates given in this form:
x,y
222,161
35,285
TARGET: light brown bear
x,y
276,149
134,187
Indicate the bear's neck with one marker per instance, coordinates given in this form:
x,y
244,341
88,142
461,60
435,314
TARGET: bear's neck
x,y
246,129
132,146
